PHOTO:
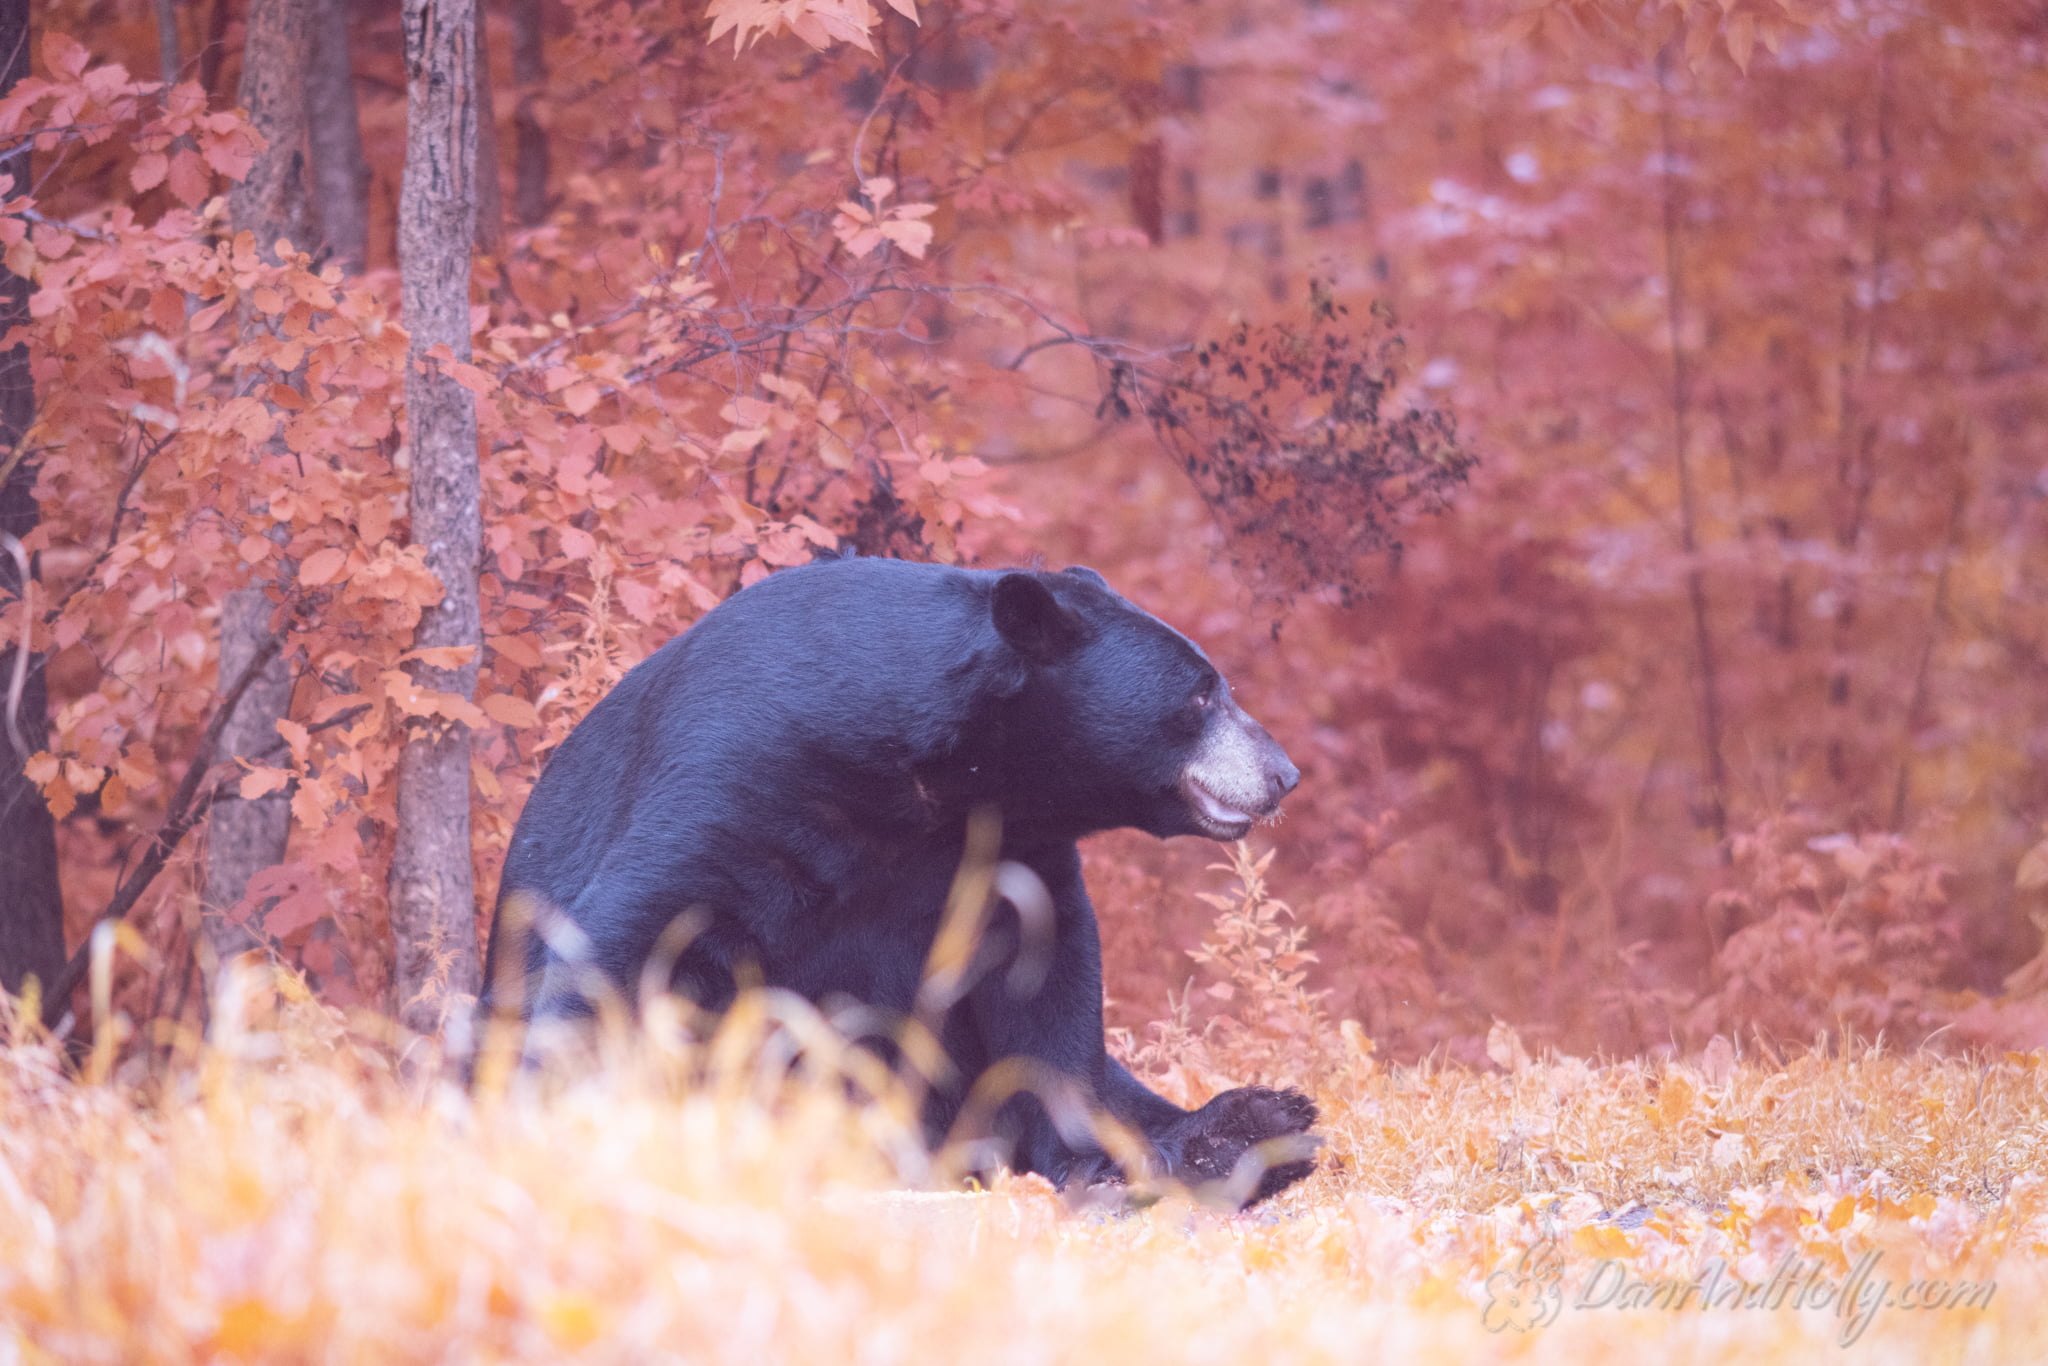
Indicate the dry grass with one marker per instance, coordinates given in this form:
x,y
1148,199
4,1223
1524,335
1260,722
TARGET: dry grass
x,y
284,1195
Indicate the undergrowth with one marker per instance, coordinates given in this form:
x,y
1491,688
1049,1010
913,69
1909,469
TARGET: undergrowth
x,y
306,1187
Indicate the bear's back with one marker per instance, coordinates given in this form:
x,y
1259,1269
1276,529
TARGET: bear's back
x,y
850,666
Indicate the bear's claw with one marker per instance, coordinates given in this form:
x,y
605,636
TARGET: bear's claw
x,y
1207,1146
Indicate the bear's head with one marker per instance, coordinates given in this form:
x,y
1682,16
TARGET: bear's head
x,y
1123,720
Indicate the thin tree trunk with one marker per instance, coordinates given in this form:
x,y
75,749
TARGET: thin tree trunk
x,y
214,49
1688,504
31,907
1937,616
271,200
1856,431
341,178
433,899
490,212
530,140
167,44
245,837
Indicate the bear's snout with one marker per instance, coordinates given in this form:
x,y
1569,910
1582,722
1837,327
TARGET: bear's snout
x,y
1281,778
1238,775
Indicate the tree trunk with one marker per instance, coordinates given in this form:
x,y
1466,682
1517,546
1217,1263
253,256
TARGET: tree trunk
x,y
167,45
31,908
215,46
245,837
341,178
271,200
490,213
433,899
530,140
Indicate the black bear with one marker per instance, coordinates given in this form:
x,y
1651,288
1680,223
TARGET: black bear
x,y
800,772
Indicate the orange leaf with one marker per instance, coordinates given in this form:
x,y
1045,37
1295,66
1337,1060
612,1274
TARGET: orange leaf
x,y
1674,1100
641,601
60,798
511,710
322,565
517,649
1742,39
441,656
149,171
622,438
1602,1240
247,1327
231,153
260,782
470,377
908,234
580,398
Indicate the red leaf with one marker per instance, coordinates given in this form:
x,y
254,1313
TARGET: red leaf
x,y
64,55
189,179
149,171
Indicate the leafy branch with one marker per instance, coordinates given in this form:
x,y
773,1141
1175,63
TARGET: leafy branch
x,y
188,806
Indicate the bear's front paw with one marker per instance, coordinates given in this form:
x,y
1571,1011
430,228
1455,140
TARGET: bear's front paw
x,y
1272,1126
1089,1170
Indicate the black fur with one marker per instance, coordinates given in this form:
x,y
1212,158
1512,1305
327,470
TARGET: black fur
x,y
799,769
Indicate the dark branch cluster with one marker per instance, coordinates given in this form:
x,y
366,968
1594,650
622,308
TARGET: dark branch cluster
x,y
1288,434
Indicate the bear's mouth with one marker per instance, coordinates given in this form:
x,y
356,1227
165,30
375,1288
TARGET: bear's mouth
x,y
1218,819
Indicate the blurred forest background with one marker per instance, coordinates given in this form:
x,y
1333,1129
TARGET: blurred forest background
x,y
1691,353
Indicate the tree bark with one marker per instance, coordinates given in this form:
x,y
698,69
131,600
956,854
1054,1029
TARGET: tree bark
x,y
490,212
245,837
215,46
341,177
31,906
167,45
271,200
433,899
530,140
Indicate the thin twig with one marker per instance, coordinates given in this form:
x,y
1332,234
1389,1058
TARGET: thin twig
x,y
18,676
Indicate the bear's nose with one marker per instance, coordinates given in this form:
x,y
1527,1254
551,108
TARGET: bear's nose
x,y
1281,780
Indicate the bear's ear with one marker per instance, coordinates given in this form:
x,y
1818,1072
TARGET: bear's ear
x,y
1031,619
1087,575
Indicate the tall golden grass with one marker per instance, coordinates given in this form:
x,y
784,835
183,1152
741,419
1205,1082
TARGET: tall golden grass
x,y
299,1189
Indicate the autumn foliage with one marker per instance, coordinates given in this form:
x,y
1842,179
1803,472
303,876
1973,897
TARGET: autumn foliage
x,y
1600,440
